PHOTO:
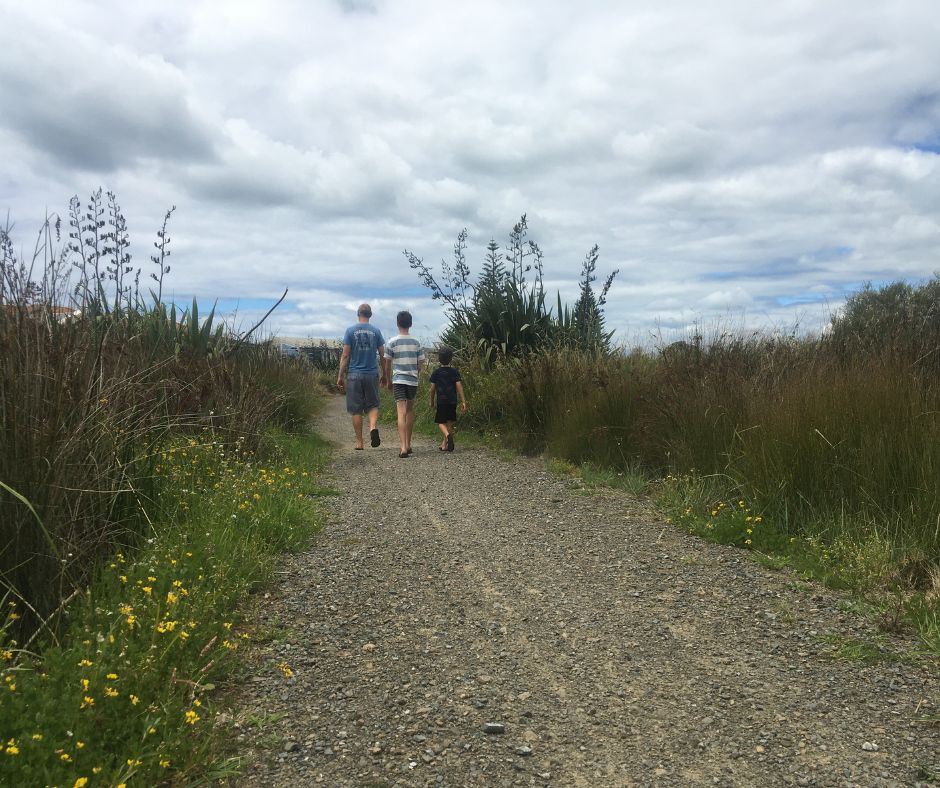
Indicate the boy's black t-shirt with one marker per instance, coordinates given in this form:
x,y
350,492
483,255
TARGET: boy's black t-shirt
x,y
445,378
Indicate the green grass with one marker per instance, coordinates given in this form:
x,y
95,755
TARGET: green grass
x,y
124,694
868,652
633,480
864,563
818,457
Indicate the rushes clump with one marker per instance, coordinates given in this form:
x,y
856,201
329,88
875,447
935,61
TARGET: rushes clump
x,y
146,487
97,374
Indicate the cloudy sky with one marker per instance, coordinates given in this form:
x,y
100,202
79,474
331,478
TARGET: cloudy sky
x,y
738,162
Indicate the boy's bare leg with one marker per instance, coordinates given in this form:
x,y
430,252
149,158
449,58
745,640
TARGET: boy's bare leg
x,y
357,426
410,422
402,408
443,428
373,418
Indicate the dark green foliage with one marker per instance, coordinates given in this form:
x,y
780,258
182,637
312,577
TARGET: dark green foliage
x,y
588,313
899,319
818,445
504,314
90,393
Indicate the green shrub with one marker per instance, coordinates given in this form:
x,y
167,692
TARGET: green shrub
x,y
90,395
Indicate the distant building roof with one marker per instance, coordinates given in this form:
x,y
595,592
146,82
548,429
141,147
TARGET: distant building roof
x,y
307,341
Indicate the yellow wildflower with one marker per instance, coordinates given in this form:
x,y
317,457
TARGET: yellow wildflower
x,y
111,692
79,744
164,763
65,757
85,663
37,737
81,782
123,578
134,700
147,589
171,598
111,677
87,702
7,655
12,749
192,718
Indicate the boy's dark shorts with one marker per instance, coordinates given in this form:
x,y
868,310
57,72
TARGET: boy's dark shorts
x,y
362,393
446,411
404,392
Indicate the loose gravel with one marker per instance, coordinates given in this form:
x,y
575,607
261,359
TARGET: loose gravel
x,y
463,620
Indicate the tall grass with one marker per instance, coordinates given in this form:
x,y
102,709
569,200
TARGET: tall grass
x,y
126,694
820,441
96,377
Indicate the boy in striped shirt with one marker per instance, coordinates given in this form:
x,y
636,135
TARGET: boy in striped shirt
x,y
403,358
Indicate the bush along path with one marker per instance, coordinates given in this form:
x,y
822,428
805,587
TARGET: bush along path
x,y
465,620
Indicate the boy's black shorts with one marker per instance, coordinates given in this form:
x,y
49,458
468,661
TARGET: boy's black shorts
x,y
446,411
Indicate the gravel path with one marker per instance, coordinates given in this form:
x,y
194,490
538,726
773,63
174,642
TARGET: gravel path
x,y
451,593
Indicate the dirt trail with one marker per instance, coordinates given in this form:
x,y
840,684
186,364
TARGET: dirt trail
x,y
449,591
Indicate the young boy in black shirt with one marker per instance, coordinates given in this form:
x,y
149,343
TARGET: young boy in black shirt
x,y
446,386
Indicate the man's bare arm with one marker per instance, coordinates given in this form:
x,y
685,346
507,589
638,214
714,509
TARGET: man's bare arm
x,y
343,361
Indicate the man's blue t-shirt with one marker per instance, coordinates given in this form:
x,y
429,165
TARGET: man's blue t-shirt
x,y
364,341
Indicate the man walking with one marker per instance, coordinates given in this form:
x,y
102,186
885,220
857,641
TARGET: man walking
x,y
403,359
361,342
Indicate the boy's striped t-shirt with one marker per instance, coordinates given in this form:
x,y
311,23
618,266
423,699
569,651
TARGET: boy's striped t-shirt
x,y
406,354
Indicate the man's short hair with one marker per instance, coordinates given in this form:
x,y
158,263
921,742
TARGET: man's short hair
x,y
403,319
364,310
445,355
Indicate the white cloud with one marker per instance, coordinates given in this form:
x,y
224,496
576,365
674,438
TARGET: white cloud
x,y
723,159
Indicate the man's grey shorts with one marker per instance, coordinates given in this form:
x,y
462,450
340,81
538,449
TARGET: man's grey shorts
x,y
362,393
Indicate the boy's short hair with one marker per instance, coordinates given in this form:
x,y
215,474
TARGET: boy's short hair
x,y
403,319
445,355
364,310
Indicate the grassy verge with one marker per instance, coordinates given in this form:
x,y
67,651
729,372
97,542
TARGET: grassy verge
x,y
899,589
902,594
123,695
